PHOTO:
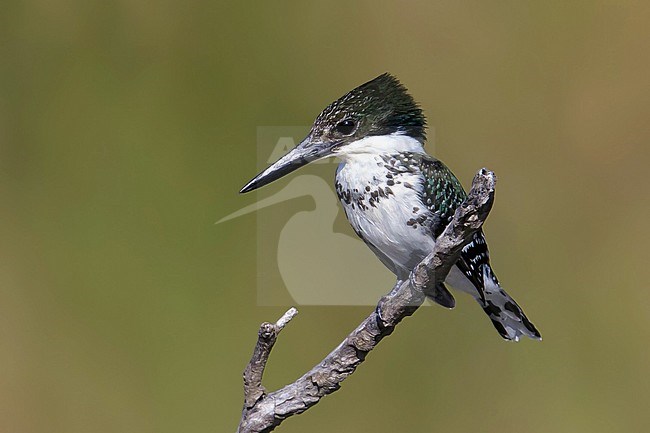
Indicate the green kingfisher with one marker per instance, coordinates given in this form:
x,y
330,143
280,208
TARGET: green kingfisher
x,y
398,198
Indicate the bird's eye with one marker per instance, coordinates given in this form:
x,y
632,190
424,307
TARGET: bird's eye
x,y
345,127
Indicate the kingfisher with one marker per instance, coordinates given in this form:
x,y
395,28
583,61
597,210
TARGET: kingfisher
x,y
397,198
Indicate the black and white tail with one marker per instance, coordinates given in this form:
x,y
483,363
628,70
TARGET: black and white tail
x,y
506,316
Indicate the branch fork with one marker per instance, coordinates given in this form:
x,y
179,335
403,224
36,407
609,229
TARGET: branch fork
x,y
264,411
266,338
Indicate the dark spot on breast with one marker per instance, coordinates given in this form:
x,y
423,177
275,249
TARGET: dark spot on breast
x,y
412,223
344,196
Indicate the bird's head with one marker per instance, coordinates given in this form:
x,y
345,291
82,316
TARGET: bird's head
x,y
381,107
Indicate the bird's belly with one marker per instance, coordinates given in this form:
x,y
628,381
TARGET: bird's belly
x,y
389,233
390,218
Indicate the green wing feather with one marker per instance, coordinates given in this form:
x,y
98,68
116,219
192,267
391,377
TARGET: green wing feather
x,y
442,194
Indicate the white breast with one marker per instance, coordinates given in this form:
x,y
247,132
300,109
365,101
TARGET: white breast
x,y
387,215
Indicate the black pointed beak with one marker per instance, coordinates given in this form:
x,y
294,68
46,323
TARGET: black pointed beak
x,y
304,153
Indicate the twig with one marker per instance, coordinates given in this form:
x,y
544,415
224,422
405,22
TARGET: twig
x,y
263,412
266,337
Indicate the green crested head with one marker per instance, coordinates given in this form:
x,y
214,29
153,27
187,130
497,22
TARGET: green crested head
x,y
378,108
381,106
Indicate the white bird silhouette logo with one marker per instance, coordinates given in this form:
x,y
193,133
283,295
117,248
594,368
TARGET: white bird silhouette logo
x,y
319,266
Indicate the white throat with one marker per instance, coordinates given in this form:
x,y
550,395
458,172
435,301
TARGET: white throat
x,y
380,144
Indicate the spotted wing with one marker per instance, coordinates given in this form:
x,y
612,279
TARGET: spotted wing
x,y
442,194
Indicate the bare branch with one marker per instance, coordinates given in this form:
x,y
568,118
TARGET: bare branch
x,y
266,337
263,412
286,318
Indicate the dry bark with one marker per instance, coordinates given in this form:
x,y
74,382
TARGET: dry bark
x,y
264,411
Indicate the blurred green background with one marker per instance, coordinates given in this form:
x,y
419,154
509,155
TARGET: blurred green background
x,y
127,128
